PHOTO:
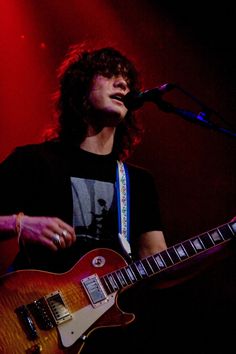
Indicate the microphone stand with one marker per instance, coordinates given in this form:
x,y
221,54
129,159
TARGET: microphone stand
x,y
201,118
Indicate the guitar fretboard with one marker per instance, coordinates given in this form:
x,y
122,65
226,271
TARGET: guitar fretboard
x,y
180,252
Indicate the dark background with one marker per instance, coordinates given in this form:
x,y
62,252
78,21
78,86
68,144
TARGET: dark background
x,y
189,43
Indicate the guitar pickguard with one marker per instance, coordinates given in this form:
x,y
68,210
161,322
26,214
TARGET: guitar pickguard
x,y
81,320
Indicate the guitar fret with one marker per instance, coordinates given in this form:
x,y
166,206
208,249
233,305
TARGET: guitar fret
x,y
206,240
111,281
226,231
153,264
174,255
147,266
107,285
126,276
141,268
136,270
189,248
117,280
121,279
131,274
181,251
159,260
232,226
197,244
211,238
166,257
216,236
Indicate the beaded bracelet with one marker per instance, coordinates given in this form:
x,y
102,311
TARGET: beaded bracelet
x,y
19,225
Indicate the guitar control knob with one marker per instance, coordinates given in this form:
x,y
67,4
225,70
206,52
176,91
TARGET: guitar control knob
x,y
98,261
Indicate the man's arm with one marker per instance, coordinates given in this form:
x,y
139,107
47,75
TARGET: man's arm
x,y
151,243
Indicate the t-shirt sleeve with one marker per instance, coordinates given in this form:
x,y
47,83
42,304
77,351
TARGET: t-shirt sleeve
x,y
144,203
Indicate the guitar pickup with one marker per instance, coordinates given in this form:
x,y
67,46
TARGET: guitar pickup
x,y
94,290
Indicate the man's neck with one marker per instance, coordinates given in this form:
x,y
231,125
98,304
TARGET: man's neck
x,y
99,143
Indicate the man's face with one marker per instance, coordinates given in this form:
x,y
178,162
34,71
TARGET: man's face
x,y
106,96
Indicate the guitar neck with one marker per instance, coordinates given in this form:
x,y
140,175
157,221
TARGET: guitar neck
x,y
173,255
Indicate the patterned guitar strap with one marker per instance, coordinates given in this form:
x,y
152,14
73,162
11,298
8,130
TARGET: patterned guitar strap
x,y
123,205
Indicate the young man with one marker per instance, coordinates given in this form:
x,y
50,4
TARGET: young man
x,y
64,193
71,194
74,193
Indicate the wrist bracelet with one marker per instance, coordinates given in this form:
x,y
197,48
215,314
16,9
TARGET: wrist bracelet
x,y
19,225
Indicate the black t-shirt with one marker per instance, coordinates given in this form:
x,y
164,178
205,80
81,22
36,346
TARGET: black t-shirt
x,y
51,179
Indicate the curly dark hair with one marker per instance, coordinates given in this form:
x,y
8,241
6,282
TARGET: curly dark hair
x,y
75,77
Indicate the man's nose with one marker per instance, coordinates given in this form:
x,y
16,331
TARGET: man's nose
x,y
121,83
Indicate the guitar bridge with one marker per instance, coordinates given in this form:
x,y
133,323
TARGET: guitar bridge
x,y
94,290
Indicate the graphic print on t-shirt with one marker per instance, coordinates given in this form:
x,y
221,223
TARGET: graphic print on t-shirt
x,y
93,202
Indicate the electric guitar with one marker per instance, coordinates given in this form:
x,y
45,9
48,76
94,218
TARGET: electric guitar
x,y
47,313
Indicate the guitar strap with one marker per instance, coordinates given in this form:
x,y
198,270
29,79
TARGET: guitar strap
x,y
123,206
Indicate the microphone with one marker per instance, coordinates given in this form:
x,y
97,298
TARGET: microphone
x,y
134,100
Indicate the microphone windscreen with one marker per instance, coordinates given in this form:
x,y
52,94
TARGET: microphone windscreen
x,y
133,100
